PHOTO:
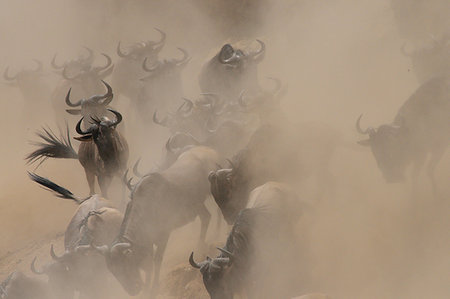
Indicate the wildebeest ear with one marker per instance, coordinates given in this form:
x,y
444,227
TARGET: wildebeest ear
x,y
74,111
84,138
365,142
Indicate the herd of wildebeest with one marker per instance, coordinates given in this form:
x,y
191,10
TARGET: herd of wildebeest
x,y
233,143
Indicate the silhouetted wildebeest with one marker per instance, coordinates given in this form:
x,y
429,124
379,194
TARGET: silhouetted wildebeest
x,y
230,71
82,78
19,286
260,257
103,151
287,153
95,222
162,85
160,202
128,70
420,128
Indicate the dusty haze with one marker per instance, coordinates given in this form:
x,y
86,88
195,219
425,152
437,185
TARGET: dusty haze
x,y
339,58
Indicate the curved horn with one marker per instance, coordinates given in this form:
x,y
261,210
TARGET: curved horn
x,y
53,254
144,66
90,54
33,267
54,64
358,127
185,58
160,122
118,117
192,262
78,128
39,65
108,95
108,64
69,103
127,181
259,55
189,105
278,85
136,170
6,75
157,46
231,164
120,53
227,254
120,246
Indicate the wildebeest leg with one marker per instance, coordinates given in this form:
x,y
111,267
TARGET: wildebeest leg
x,y
161,244
104,181
436,156
90,177
205,217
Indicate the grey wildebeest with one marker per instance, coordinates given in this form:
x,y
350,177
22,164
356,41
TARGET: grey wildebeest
x,y
231,71
94,107
160,202
128,70
80,268
288,153
82,78
259,258
420,128
103,151
19,286
162,85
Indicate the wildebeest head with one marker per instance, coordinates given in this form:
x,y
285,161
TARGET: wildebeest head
x,y
94,106
123,262
62,272
104,134
144,49
166,68
82,70
24,74
388,145
216,274
80,64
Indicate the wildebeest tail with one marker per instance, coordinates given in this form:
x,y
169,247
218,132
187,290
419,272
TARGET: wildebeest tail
x,y
52,147
60,192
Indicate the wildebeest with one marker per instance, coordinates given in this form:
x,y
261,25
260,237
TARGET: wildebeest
x,y
19,286
287,153
128,70
103,158
260,254
82,78
231,71
162,85
160,202
420,128
94,107
80,268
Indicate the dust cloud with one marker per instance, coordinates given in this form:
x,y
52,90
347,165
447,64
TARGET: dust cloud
x,y
339,59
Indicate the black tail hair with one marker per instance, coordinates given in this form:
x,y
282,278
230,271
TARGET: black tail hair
x,y
60,192
53,147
